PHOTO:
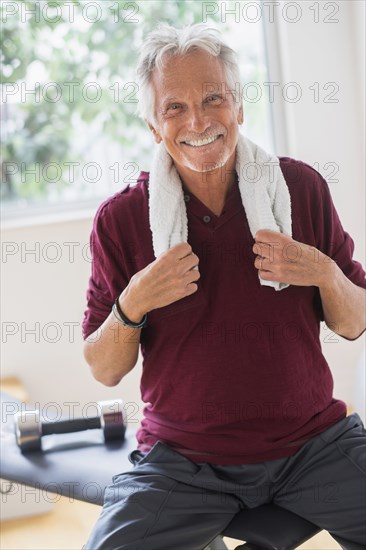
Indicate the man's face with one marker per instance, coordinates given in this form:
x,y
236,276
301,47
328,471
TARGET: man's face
x,y
196,115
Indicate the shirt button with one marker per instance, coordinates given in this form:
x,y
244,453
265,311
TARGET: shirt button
x,y
207,219
187,198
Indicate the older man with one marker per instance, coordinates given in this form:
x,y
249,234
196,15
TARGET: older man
x,y
240,409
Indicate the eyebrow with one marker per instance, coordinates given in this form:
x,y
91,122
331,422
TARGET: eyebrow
x,y
173,99
169,99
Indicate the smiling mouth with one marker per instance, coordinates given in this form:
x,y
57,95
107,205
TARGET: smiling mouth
x,y
202,142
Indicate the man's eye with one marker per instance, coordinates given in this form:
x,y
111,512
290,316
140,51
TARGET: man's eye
x,y
173,107
214,99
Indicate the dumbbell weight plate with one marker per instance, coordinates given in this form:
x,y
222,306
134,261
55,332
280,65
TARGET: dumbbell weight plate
x,y
112,419
28,430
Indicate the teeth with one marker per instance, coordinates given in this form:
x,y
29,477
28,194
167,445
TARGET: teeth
x,y
201,142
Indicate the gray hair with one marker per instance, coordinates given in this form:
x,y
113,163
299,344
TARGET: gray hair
x,y
167,40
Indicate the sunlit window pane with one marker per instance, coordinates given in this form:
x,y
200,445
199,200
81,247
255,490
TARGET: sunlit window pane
x,y
69,129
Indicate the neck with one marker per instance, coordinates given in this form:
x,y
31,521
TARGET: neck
x,y
211,188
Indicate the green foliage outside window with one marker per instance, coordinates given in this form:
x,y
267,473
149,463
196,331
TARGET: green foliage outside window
x,y
84,59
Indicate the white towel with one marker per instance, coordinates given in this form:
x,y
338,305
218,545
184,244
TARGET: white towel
x,y
263,190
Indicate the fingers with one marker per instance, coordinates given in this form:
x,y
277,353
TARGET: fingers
x,y
170,277
267,250
191,288
179,264
262,263
268,243
269,236
189,262
191,276
181,256
179,251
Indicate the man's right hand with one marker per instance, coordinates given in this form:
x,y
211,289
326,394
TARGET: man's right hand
x,y
171,277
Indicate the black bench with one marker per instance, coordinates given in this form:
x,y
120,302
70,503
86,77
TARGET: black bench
x,y
80,465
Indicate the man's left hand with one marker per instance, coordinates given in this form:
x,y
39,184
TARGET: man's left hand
x,y
280,258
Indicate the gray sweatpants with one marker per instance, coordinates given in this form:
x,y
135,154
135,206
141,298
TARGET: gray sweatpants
x,y
168,502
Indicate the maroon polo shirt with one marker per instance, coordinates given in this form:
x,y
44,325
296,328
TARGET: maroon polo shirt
x,y
234,373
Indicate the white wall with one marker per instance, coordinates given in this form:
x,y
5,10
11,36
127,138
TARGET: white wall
x,y
37,290
322,132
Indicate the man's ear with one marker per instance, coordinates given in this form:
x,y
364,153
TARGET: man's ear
x,y
241,115
155,133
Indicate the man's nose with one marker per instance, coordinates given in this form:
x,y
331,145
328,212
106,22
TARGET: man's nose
x,y
198,120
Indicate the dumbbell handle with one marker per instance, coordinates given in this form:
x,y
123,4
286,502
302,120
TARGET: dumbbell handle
x,y
70,425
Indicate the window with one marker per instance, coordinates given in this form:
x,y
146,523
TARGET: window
x,y
70,133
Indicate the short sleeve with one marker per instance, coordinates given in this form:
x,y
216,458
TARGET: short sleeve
x,y
334,241
108,275
315,222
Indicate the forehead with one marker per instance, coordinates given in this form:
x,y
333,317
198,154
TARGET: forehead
x,y
195,71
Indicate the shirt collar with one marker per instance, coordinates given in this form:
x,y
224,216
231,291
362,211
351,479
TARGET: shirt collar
x,y
233,204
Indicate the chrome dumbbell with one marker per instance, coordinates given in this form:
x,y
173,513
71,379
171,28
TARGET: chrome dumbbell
x,y
29,428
